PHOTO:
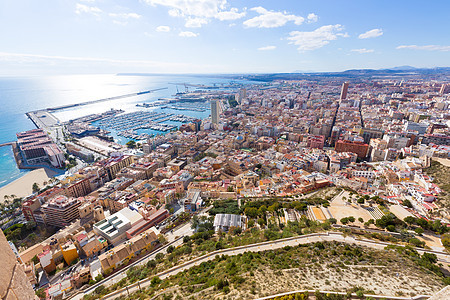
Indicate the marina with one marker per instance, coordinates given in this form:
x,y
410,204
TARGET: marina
x,y
126,125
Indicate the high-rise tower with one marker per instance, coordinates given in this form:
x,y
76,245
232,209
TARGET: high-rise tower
x,y
215,111
344,90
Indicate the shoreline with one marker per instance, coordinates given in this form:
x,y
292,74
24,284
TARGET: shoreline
x,y
22,187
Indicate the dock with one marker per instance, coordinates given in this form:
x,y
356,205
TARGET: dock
x,y
56,108
7,144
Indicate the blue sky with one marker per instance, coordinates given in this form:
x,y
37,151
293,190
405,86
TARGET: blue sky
x,y
219,36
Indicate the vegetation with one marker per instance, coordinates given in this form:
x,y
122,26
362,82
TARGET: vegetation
x,y
229,206
131,144
35,187
236,275
203,155
19,231
232,101
441,176
426,260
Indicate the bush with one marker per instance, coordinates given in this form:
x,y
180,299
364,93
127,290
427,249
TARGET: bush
x,y
155,281
40,293
159,256
99,278
417,243
344,221
100,289
390,228
237,230
170,249
419,230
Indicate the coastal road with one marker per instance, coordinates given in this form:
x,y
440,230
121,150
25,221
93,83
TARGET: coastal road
x,y
272,245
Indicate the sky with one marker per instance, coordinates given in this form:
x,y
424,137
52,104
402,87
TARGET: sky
x,y
220,36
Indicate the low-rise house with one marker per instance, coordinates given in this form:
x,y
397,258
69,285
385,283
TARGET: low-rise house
x,y
122,254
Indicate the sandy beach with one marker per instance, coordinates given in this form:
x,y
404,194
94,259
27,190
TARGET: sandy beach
x,y
22,187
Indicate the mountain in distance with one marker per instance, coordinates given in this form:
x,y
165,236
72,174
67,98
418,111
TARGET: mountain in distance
x,y
402,68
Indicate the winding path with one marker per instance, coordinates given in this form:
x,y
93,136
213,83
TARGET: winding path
x,y
271,245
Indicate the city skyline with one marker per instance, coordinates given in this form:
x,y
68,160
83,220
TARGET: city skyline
x,y
219,36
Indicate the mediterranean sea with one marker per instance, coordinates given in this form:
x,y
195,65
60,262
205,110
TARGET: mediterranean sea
x,y
19,95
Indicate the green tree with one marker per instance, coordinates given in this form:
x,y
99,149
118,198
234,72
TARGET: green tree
x,y
407,203
99,278
344,221
35,187
131,144
419,230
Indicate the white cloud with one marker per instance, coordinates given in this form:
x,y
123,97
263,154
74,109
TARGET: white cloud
x,y
371,34
271,19
363,50
312,18
232,14
196,8
93,10
311,40
188,34
163,28
425,47
267,48
125,15
199,12
195,22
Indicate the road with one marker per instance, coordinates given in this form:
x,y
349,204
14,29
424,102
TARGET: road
x,y
272,245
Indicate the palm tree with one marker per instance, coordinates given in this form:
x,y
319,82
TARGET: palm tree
x,y
13,196
6,197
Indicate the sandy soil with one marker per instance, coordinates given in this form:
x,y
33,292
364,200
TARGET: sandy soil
x,y
402,281
444,161
432,241
22,187
340,208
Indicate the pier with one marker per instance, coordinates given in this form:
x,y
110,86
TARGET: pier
x,y
7,144
56,108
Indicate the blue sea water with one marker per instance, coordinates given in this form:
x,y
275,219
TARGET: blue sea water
x,y
19,95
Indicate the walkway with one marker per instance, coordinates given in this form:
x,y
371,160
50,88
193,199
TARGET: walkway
x,y
271,245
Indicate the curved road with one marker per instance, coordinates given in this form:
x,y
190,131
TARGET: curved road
x,y
271,245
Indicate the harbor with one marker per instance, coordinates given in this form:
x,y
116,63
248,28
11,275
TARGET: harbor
x,y
126,125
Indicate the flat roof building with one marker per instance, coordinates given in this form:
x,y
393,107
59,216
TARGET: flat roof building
x,y
114,227
61,211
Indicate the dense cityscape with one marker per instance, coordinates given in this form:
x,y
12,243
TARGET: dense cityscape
x,y
224,149
301,161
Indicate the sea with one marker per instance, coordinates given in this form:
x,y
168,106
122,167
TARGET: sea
x,y
19,95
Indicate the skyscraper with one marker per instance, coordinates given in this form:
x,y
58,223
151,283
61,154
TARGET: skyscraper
x,y
215,111
445,88
344,90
